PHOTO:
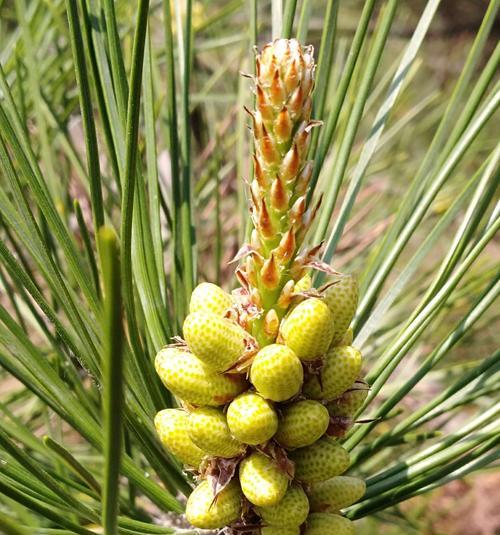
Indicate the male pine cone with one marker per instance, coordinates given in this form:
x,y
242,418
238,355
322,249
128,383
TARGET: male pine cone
x,y
267,376
281,125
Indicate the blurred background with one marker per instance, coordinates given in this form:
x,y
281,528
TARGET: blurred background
x,y
221,147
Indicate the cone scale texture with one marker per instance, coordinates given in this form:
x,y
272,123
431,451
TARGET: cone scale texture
x,y
267,377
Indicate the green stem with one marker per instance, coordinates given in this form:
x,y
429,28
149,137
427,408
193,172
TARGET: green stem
x,y
187,230
112,378
173,145
290,8
369,70
132,131
325,57
89,130
395,353
334,114
35,505
70,461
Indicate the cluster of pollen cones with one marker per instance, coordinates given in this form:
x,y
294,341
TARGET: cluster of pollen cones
x,y
267,377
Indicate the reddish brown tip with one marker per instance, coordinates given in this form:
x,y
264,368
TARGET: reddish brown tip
x,y
279,197
270,274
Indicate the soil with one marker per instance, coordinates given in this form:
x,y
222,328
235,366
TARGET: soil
x,y
470,507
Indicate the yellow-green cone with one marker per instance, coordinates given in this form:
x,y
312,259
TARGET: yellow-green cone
x,y
282,132
302,423
216,341
263,483
208,297
328,524
348,403
172,428
320,461
347,339
208,429
292,510
205,512
342,300
251,419
308,329
336,493
188,379
277,372
340,371
303,284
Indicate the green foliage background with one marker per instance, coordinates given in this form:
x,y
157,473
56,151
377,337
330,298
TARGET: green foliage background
x,y
129,115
